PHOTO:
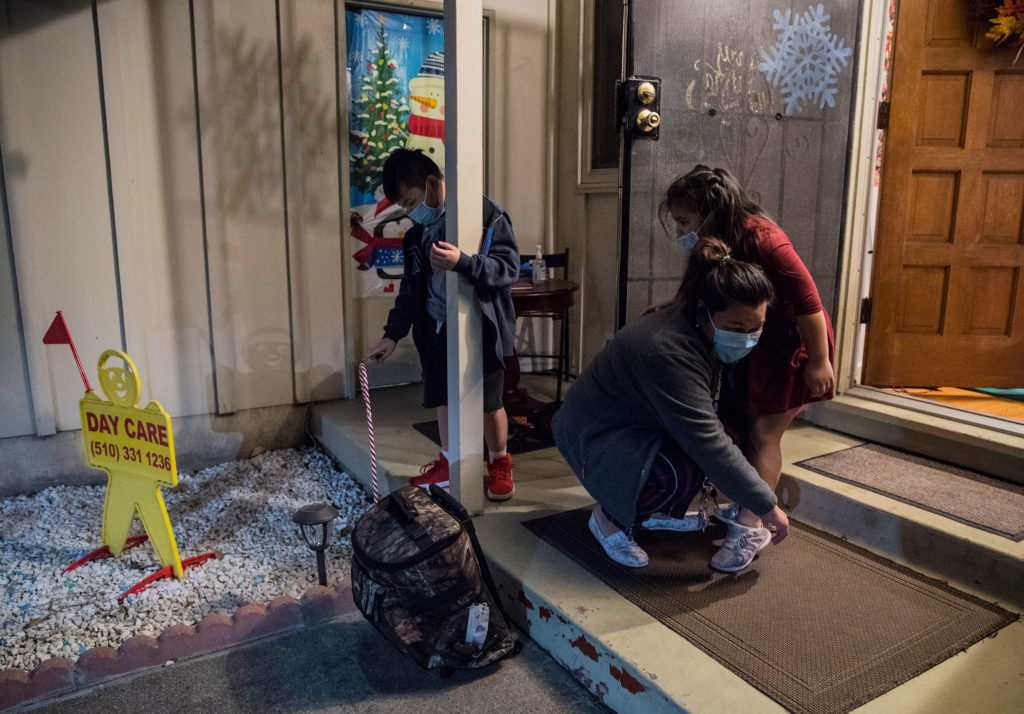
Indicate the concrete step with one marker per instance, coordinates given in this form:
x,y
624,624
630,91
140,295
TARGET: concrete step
x,y
634,663
973,560
989,444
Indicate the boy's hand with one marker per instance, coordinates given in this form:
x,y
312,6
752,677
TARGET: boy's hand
x,y
381,352
444,256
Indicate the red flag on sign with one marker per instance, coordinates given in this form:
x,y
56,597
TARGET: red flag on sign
x,y
58,335
58,332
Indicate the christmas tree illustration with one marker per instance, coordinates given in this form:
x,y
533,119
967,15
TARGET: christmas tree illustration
x,y
382,113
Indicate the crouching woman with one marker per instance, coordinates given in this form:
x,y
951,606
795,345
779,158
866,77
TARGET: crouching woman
x,y
641,429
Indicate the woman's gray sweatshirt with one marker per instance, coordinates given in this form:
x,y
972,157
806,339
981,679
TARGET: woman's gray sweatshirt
x,y
656,379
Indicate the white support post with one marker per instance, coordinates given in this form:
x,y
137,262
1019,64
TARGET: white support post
x,y
464,163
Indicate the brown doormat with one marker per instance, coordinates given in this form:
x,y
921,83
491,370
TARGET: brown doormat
x,y
966,496
815,623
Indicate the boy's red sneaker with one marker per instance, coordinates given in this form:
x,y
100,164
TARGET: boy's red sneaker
x,y
499,479
434,472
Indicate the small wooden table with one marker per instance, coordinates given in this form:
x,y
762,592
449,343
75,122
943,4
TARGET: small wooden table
x,y
552,298
548,297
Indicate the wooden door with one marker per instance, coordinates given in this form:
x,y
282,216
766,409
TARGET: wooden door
x,y
947,303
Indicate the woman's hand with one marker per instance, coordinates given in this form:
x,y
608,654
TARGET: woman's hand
x,y
819,377
777,518
444,256
381,351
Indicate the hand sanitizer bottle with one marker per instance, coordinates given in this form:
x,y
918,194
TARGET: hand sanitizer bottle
x,y
539,267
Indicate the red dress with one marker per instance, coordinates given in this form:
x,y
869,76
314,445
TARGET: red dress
x,y
775,367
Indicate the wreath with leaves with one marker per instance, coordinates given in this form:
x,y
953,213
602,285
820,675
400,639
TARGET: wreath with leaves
x,y
1007,21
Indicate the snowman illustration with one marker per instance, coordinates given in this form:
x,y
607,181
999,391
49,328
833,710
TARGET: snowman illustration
x,y
426,98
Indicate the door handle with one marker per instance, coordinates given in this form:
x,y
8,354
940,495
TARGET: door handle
x,y
640,98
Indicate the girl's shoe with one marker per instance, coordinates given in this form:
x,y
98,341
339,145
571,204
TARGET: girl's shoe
x,y
691,522
728,514
739,548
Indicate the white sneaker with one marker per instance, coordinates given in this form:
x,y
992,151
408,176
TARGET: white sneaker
x,y
619,546
691,522
728,514
739,548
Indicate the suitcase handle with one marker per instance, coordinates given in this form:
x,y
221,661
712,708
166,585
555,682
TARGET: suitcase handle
x,y
448,502
403,511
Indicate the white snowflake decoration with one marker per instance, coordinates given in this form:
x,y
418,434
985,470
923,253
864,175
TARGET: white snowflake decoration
x,y
434,26
402,54
806,59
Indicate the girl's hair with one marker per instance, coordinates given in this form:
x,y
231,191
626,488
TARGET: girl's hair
x,y
717,193
716,279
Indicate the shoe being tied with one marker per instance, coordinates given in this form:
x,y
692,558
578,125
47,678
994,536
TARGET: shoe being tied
x,y
739,548
619,547
499,479
435,472
728,514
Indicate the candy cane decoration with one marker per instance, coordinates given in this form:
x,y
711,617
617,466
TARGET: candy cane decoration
x,y
365,387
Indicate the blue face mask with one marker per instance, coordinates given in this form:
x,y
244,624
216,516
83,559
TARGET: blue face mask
x,y
425,215
687,241
733,346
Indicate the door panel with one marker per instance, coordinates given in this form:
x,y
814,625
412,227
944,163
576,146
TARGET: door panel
x,y
721,107
947,305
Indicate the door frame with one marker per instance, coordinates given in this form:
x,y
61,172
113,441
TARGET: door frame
x,y
860,228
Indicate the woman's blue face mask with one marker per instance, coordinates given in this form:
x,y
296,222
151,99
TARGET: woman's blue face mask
x,y
733,346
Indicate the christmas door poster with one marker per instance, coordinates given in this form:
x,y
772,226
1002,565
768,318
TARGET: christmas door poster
x,y
396,81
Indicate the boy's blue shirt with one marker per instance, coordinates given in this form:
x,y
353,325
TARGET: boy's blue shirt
x,y
491,271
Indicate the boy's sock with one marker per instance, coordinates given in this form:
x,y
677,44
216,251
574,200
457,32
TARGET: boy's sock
x,y
495,455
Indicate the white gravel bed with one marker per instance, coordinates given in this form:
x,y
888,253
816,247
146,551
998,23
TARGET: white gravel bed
x,y
242,510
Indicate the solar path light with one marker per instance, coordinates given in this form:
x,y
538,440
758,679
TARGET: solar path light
x,y
314,521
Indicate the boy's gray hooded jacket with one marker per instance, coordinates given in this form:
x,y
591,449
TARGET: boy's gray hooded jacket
x,y
657,379
491,271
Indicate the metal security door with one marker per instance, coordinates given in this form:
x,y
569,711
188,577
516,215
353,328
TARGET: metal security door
x,y
762,91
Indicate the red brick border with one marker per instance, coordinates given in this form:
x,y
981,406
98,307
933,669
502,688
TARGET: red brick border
x,y
215,632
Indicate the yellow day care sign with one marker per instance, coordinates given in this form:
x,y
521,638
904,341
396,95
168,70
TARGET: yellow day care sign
x,y
136,448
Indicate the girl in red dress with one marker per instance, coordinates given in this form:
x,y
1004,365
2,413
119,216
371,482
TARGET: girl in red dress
x,y
792,362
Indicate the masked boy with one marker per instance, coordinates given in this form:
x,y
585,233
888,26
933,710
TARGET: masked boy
x,y
415,182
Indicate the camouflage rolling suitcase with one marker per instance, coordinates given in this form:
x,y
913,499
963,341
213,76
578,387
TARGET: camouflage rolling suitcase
x,y
419,576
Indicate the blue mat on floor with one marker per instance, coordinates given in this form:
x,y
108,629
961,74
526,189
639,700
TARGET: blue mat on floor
x,y
1016,395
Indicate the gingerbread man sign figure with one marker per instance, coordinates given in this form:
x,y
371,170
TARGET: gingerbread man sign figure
x,y
136,448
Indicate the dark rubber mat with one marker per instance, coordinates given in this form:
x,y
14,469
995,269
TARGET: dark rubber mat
x,y
966,496
522,438
815,623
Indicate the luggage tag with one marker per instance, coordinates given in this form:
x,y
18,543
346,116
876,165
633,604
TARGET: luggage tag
x,y
476,625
